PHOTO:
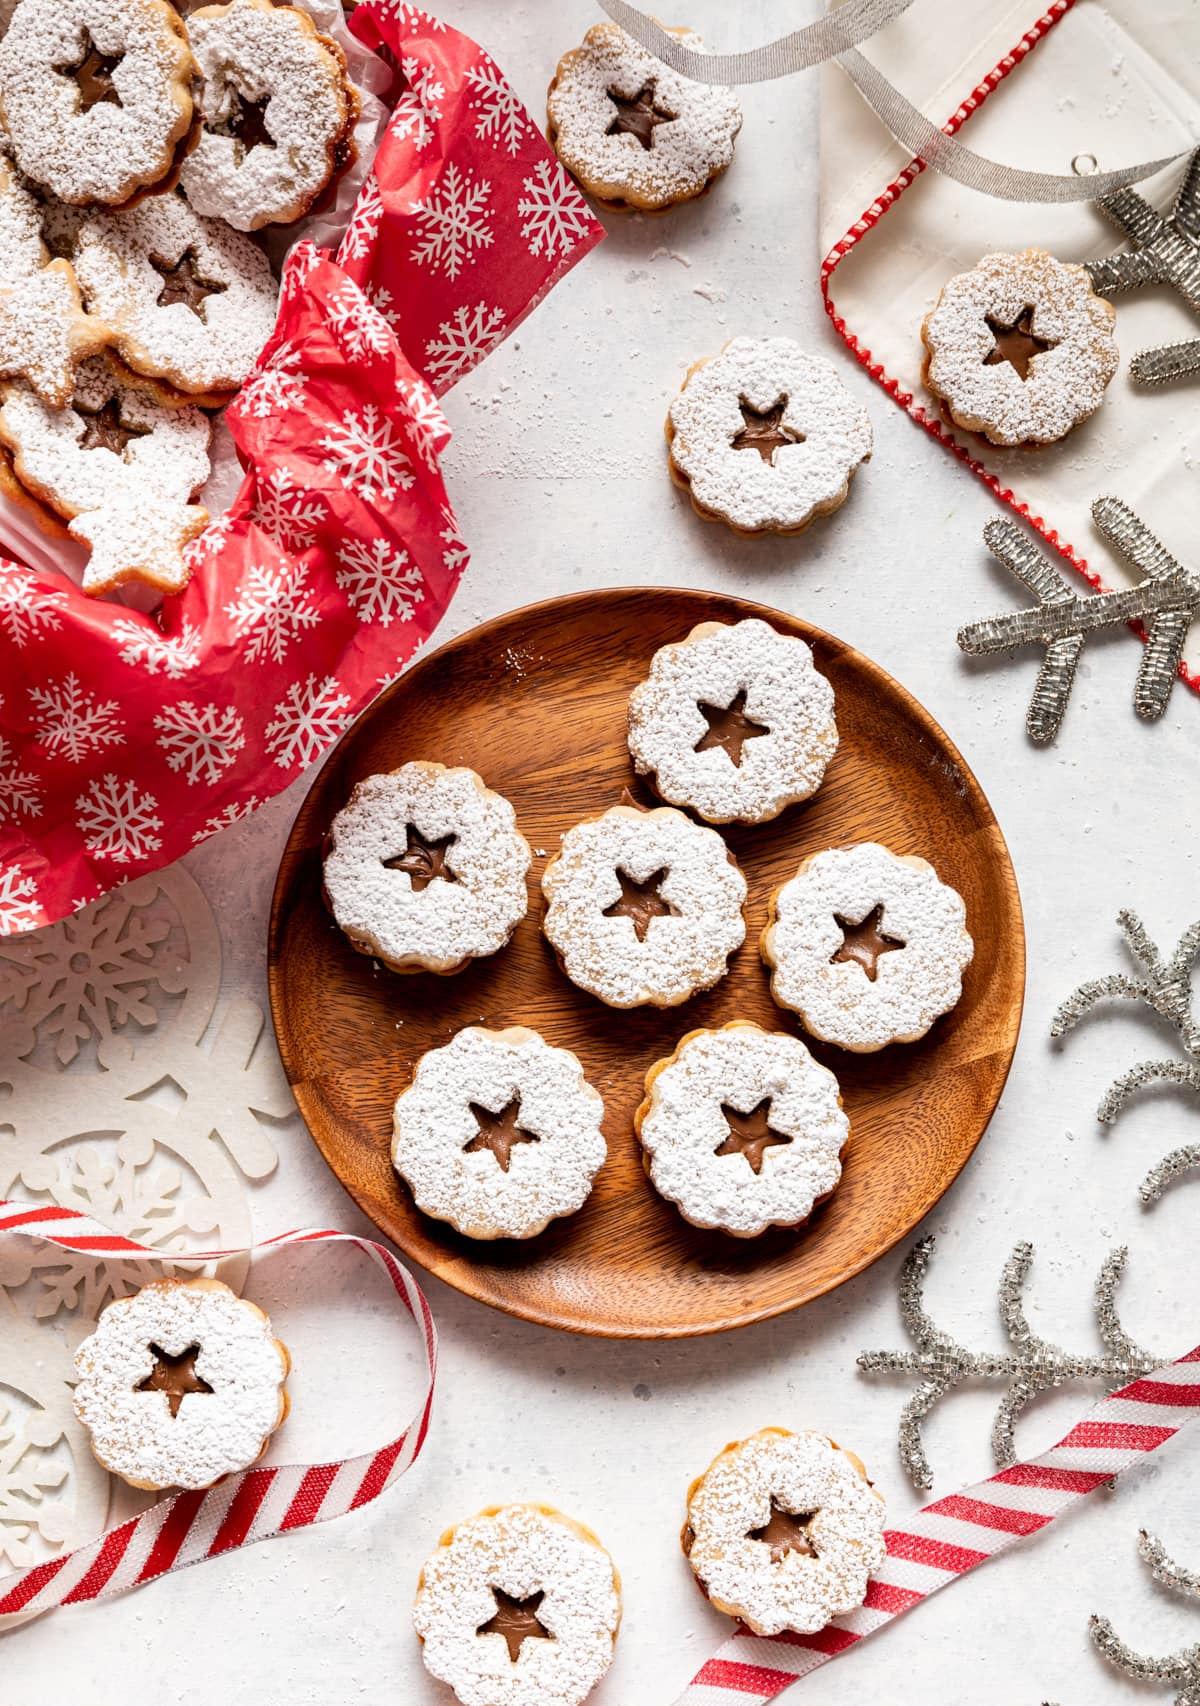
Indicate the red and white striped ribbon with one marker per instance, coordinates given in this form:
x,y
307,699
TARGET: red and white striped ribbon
x,y
951,1536
255,1505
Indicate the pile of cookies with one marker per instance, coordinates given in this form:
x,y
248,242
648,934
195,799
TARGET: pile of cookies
x,y
141,151
741,1128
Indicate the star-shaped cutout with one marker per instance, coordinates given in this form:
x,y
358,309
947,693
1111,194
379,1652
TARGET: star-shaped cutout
x,y
763,430
638,115
424,860
785,1532
1017,344
174,1375
103,428
1166,249
864,944
499,1132
517,1620
183,282
641,903
750,1134
142,537
93,74
249,124
729,727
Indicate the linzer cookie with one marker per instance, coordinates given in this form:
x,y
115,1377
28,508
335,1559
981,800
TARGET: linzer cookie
x,y
498,1133
742,1129
733,721
426,868
867,946
1020,348
632,131
189,300
518,1606
181,1384
765,436
783,1531
277,112
96,95
643,907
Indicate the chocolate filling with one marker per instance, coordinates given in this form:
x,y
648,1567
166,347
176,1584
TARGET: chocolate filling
x,y
184,283
763,430
425,861
174,1375
864,944
785,1532
750,1134
1017,344
729,728
248,123
93,74
499,1132
638,115
105,430
641,903
517,1620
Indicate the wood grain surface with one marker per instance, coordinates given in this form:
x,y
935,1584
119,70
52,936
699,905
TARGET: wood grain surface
x,y
535,702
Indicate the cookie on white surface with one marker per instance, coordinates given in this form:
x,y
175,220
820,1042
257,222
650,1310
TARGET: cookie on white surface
x,y
633,132
518,1606
868,947
733,721
498,1133
1020,348
426,868
765,436
643,908
783,1531
742,1129
181,1384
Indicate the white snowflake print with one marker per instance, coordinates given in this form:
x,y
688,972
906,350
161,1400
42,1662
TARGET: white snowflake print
x,y
300,264
364,223
75,722
553,213
201,740
419,104
276,386
233,813
27,610
20,790
273,609
456,556
28,1472
287,510
381,584
501,115
462,341
430,428
411,18
146,648
213,540
308,718
453,222
19,909
381,299
116,821
366,455
360,328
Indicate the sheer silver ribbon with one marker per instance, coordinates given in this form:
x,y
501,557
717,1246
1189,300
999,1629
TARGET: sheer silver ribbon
x,y
836,36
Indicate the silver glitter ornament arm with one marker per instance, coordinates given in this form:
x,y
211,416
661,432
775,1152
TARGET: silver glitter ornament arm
x,y
1120,1090
1166,363
1172,1166
1083,999
1164,1569
1181,1669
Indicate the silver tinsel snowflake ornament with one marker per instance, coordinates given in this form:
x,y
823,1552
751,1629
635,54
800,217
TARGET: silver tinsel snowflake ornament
x,y
1166,250
1166,601
1182,1669
1030,1367
1166,988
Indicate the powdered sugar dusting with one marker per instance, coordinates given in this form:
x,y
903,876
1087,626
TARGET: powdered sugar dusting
x,y
215,1433
522,1550
681,1127
681,953
802,1473
804,478
1064,384
838,1002
447,923
782,691
686,153
108,152
252,50
545,1179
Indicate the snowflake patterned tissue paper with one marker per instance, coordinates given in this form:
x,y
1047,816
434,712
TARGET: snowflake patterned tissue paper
x,y
127,738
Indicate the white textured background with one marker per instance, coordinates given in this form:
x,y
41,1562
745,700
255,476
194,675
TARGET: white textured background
x,y
558,474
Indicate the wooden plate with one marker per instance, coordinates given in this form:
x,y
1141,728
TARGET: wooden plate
x,y
535,702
